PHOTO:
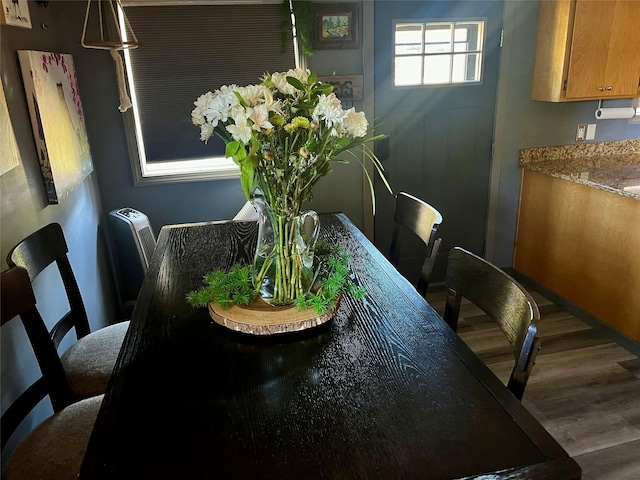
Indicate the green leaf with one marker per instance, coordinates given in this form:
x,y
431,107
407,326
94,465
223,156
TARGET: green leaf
x,y
341,143
246,178
240,155
240,99
295,83
253,157
312,78
232,148
323,88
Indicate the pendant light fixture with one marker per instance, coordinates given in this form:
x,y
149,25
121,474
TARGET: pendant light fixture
x,y
106,27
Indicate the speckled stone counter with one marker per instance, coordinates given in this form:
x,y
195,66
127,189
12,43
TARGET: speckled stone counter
x,y
609,166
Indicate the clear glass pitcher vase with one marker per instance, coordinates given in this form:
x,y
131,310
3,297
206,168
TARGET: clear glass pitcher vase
x,y
283,262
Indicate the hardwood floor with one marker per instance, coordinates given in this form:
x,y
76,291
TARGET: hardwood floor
x,y
584,388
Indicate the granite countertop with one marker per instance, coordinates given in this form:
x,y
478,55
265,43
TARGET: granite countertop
x,y
610,166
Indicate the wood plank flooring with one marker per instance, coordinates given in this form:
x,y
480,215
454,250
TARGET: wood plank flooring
x,y
584,388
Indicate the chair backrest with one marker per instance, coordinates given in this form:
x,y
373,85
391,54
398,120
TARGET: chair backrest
x,y
503,299
422,220
36,252
18,300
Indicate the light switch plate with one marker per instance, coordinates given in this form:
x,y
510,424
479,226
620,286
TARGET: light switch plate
x,y
591,131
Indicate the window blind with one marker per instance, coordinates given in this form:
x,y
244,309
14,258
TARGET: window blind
x,y
187,50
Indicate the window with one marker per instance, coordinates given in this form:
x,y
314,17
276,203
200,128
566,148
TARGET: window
x,y
186,50
438,53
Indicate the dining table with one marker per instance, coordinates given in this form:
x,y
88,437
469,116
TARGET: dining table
x,y
383,390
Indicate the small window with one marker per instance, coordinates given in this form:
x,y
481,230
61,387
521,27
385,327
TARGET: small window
x,y
438,53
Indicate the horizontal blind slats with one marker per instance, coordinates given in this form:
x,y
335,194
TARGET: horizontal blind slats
x,y
188,50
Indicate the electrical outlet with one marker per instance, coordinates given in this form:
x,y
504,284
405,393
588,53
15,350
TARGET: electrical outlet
x,y
591,131
581,132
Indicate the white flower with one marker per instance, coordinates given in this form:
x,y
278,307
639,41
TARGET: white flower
x,y
238,111
226,92
280,80
329,109
206,130
253,94
260,117
216,111
197,117
219,107
240,130
271,104
301,74
355,123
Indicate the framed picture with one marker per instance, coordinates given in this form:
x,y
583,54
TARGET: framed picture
x,y
336,26
57,121
9,153
16,13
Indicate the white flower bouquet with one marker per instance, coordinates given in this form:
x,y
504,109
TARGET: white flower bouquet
x,y
284,133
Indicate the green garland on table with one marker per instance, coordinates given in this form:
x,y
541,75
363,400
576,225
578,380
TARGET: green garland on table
x,y
331,279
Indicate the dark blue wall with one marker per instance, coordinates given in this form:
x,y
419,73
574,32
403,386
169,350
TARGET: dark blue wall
x,y
24,210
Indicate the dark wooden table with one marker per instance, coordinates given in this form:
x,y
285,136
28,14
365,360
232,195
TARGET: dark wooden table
x,y
384,390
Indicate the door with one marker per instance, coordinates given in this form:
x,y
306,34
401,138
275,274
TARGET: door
x,y
436,70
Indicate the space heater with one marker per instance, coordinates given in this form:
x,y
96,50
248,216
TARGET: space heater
x,y
133,242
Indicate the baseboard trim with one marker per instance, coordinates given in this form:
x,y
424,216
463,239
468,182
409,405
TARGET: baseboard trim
x,y
586,317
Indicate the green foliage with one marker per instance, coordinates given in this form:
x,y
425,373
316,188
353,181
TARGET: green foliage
x,y
303,11
226,288
331,265
331,280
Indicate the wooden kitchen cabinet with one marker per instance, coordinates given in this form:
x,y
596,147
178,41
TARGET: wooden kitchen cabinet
x,y
587,50
582,243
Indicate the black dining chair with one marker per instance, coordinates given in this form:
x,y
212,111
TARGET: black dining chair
x,y
55,448
89,361
415,218
504,300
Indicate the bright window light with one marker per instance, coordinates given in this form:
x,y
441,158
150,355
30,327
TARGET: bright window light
x,y
438,53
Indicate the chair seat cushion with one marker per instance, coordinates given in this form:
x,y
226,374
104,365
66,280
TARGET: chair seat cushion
x,y
55,448
89,362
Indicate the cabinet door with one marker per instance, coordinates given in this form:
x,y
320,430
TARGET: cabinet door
x,y
605,49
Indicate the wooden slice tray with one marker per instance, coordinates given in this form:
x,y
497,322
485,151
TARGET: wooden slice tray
x,y
260,318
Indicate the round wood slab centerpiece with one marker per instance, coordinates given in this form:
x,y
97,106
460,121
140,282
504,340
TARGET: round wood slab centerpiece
x,y
260,318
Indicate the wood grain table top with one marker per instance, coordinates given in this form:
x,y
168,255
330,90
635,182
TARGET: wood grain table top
x,y
383,390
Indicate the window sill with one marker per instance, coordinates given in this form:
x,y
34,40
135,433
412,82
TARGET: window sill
x,y
185,171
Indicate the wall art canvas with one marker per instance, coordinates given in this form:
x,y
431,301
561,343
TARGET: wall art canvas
x,y
16,13
9,153
57,120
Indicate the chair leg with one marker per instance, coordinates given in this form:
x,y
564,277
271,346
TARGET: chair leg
x,y
452,309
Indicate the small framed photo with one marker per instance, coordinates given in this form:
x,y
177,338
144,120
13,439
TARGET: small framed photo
x,y
336,26
16,13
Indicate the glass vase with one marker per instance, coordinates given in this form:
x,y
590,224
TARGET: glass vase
x,y
283,262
